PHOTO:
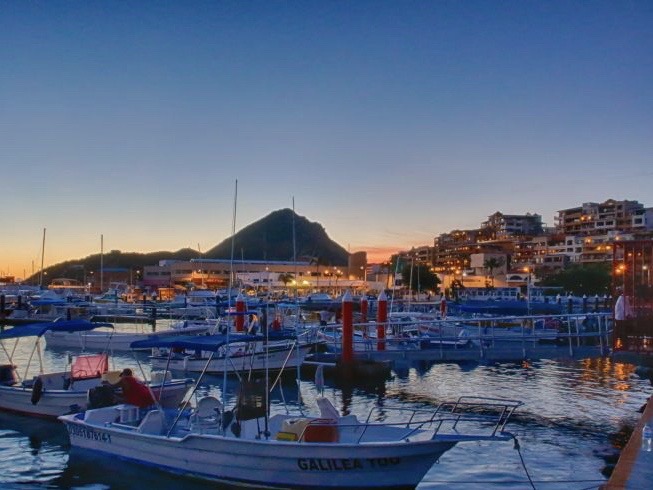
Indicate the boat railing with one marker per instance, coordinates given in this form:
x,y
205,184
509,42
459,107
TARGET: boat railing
x,y
493,412
501,408
574,329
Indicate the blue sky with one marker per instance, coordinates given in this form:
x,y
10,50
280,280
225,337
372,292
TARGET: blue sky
x,y
387,122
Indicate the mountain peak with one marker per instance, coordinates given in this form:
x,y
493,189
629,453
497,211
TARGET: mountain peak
x,y
271,238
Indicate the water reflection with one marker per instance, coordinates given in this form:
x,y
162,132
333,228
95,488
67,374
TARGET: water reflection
x,y
31,451
88,470
577,413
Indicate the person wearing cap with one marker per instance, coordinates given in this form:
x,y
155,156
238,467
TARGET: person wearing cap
x,y
134,391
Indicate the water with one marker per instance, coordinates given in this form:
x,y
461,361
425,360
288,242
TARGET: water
x,y
576,415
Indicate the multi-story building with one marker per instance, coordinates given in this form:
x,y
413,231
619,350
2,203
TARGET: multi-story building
x,y
594,227
598,219
451,251
546,252
418,255
507,234
500,225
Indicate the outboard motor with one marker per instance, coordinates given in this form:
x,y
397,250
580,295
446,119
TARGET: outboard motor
x,y
101,396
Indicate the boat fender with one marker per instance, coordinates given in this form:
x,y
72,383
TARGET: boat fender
x,y
37,391
235,429
227,418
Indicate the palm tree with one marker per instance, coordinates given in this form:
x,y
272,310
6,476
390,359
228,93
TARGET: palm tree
x,y
491,264
318,262
285,278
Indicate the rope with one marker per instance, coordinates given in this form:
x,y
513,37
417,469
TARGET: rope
x,y
523,463
595,483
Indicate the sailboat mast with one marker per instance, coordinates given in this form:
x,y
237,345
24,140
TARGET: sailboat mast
x,y
231,275
298,316
294,245
42,260
233,243
101,263
199,250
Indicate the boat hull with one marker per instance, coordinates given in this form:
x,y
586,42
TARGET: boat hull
x,y
258,361
268,463
114,341
53,403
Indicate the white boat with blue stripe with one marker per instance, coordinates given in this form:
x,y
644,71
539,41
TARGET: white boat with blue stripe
x,y
246,445
52,394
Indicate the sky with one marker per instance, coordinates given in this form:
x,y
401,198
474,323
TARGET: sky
x,y
388,122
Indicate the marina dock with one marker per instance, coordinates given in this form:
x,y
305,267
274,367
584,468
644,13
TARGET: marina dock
x,y
634,470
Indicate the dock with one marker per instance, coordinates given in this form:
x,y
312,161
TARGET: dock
x,y
634,470
500,351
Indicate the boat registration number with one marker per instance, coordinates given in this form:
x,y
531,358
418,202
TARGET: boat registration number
x,y
84,433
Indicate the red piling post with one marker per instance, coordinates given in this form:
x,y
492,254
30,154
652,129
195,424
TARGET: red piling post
x,y
240,313
347,329
381,319
364,309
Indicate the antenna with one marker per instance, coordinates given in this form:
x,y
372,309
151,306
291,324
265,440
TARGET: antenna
x,y
231,274
42,259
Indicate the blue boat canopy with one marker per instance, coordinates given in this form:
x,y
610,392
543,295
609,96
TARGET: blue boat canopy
x,y
48,301
210,343
38,329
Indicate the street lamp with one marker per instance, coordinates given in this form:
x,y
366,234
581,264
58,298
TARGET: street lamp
x,y
648,274
528,270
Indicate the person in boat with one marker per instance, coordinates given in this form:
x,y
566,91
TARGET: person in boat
x,y
276,324
324,317
134,391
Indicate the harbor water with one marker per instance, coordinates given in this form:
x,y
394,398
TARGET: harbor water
x,y
576,415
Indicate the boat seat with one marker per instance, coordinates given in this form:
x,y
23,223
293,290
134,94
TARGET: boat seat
x,y
100,416
207,414
327,410
152,423
308,430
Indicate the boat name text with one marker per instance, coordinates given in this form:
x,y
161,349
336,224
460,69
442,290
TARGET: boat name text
x,y
345,464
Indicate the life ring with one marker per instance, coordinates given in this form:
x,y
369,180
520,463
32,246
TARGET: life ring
x,y
37,391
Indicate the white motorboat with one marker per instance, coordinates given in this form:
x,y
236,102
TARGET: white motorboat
x,y
234,353
247,446
57,393
398,336
121,341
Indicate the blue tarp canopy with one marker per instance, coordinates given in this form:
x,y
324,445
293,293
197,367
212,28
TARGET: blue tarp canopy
x,y
47,301
210,343
222,304
38,329
506,307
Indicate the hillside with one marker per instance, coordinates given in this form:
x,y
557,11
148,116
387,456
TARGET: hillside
x,y
270,238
